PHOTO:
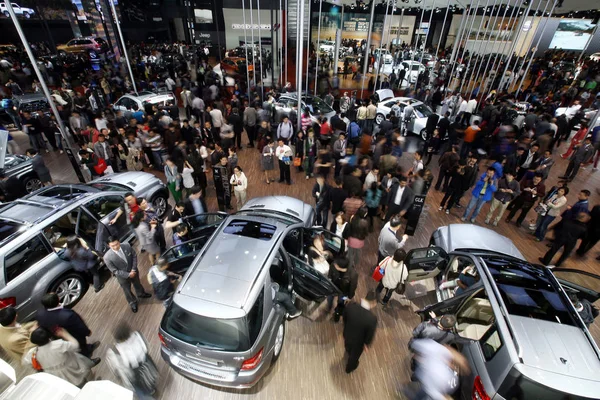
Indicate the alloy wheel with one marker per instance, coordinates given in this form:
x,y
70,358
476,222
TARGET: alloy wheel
x,y
69,291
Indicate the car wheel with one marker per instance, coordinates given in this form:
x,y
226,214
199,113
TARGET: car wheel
x,y
423,134
279,339
32,184
379,119
160,205
26,15
70,289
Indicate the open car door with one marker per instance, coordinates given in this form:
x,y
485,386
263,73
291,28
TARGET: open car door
x,y
333,243
180,257
198,223
584,285
425,262
307,282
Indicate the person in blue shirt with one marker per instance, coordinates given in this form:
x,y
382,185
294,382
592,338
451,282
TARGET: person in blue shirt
x,y
180,237
482,193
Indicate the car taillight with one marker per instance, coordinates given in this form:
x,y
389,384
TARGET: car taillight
x,y
479,391
8,302
162,339
251,363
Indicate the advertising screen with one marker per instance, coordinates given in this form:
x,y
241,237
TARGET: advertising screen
x,y
572,34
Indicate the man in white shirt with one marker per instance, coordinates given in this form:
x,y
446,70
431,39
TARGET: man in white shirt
x,y
170,83
284,155
372,176
217,118
198,109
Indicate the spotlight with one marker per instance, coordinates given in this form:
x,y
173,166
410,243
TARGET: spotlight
x,y
526,3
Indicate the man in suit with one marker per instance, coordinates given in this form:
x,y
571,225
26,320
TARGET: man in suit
x,y
359,328
54,316
545,163
401,198
567,233
195,203
121,260
102,149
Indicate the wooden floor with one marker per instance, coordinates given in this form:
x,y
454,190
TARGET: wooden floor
x,y
311,364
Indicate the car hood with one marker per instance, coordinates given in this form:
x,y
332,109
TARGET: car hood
x,y
473,237
384,94
129,179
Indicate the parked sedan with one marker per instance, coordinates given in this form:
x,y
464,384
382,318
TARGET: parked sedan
x,y
236,66
21,167
421,111
313,104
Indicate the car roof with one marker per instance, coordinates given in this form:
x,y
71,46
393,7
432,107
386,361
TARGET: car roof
x,y
468,236
284,204
225,272
558,356
130,179
405,100
29,97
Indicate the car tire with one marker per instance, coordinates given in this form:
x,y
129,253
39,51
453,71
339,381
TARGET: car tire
x,y
279,340
161,204
26,15
379,118
32,184
423,134
70,288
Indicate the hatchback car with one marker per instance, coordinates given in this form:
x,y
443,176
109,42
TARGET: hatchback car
x,y
84,45
525,338
223,326
421,111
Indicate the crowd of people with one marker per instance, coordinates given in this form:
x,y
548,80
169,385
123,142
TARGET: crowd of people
x,y
502,158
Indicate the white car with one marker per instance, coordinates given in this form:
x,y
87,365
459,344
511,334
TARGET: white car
x,y
22,11
421,111
413,69
588,112
327,46
132,103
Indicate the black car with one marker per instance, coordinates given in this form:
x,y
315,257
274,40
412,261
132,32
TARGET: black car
x,y
20,167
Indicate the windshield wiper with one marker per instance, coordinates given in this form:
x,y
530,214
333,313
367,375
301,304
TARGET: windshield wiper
x,y
209,346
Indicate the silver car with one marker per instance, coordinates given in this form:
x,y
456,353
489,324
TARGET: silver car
x,y
223,326
141,184
33,234
313,104
525,338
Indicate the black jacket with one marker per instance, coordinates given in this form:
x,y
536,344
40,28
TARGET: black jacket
x,y
237,122
66,319
360,325
188,208
443,125
337,196
405,201
324,194
345,281
570,230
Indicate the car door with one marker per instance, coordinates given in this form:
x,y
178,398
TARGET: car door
x,y
335,244
425,262
307,282
180,257
583,284
450,306
200,223
93,232
105,208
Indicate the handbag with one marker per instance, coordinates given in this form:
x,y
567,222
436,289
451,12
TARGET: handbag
x,y
34,362
401,286
541,209
379,272
101,166
297,161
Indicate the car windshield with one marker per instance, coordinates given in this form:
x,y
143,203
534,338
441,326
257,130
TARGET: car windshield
x,y
527,291
109,186
319,106
7,228
423,111
251,229
415,67
210,333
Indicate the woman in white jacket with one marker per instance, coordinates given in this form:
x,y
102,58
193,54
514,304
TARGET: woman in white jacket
x,y
395,274
240,184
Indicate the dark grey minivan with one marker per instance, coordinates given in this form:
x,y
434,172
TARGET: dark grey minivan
x,y
223,326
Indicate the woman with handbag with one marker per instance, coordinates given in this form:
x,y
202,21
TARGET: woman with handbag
x,y
553,208
60,357
240,185
83,260
268,159
394,275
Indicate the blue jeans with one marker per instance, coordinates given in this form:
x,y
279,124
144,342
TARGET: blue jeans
x,y
476,202
542,227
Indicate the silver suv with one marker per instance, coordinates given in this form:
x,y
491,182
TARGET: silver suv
x,y
34,231
526,338
223,327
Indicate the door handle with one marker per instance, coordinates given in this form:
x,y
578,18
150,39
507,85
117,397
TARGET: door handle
x,y
423,274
